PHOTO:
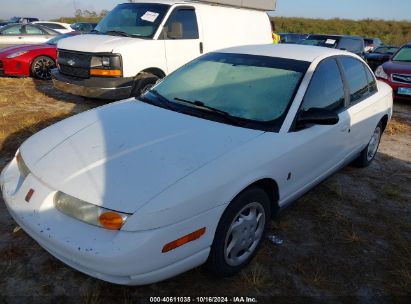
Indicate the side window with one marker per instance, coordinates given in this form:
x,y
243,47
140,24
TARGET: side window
x,y
326,90
13,30
356,78
32,30
372,84
182,24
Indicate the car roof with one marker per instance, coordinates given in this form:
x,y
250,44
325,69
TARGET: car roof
x,y
290,51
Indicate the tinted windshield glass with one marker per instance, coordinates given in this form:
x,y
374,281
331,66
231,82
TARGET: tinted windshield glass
x,y
326,41
53,41
404,54
254,88
134,19
386,50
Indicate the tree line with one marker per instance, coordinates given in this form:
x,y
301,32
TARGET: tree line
x,y
390,32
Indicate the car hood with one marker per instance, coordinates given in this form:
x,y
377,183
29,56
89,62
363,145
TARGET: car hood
x,y
25,47
122,155
92,43
397,67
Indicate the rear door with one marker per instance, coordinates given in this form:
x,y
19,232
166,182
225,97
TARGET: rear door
x,y
363,98
35,35
181,37
11,36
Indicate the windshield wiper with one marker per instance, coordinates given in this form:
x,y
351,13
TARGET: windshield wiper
x,y
118,33
95,32
165,103
221,113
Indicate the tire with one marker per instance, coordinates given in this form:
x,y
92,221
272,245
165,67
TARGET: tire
x,y
240,232
368,154
144,82
41,67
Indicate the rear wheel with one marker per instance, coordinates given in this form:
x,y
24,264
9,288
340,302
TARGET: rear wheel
x,y
240,232
41,67
144,82
368,154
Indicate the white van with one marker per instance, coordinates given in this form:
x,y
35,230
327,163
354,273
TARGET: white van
x,y
141,42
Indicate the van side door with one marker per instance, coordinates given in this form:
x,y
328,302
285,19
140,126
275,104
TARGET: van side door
x,y
181,37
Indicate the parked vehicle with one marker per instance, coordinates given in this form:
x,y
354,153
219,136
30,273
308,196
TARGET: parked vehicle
x,y
126,56
353,44
141,190
397,72
16,34
84,27
62,28
34,60
292,38
371,44
3,23
380,55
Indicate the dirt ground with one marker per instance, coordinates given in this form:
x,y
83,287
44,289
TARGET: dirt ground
x,y
347,240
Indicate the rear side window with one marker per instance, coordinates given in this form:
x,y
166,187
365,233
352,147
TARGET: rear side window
x,y
32,30
13,30
53,26
372,84
352,45
326,90
356,78
182,24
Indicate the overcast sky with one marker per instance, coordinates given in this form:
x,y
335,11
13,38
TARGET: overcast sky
x,y
351,9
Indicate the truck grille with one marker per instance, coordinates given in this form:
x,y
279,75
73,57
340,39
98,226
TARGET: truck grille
x,y
401,78
74,63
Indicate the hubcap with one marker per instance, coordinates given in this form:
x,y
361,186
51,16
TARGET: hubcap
x,y
42,68
244,234
373,144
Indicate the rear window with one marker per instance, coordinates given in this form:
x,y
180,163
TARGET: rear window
x,y
325,41
352,45
53,26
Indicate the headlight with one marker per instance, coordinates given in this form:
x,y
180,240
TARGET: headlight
x,y
380,73
24,170
89,213
109,66
16,54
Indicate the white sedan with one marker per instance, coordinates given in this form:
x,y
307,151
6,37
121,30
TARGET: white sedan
x,y
139,191
62,28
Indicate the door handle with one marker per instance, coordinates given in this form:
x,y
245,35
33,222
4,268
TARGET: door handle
x,y
345,128
201,48
20,37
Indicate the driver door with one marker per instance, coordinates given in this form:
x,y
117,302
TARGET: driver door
x,y
319,149
181,37
12,35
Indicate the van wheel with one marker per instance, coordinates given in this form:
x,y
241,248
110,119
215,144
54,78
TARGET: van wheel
x,y
368,154
41,67
144,82
240,232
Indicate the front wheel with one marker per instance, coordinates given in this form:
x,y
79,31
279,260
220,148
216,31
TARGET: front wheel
x,y
368,154
240,232
144,82
41,67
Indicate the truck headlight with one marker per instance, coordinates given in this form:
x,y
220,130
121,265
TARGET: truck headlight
x,y
107,65
89,213
380,73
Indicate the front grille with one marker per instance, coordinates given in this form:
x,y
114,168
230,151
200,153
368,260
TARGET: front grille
x,y
1,68
77,72
401,78
1,64
74,63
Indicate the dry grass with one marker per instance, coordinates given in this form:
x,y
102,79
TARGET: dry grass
x,y
397,126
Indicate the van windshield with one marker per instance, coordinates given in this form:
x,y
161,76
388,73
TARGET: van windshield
x,y
133,20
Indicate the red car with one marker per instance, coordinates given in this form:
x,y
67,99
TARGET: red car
x,y
397,72
31,60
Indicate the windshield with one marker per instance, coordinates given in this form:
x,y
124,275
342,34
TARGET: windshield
x,y
53,41
253,88
133,19
386,50
404,54
326,41
15,20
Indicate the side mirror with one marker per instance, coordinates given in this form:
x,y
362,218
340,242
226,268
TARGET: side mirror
x,y
176,31
317,116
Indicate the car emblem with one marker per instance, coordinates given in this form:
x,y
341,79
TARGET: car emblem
x,y
71,62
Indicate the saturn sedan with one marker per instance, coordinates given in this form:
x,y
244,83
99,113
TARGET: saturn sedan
x,y
139,191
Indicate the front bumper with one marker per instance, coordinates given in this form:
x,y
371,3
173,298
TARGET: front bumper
x,y
94,87
121,257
